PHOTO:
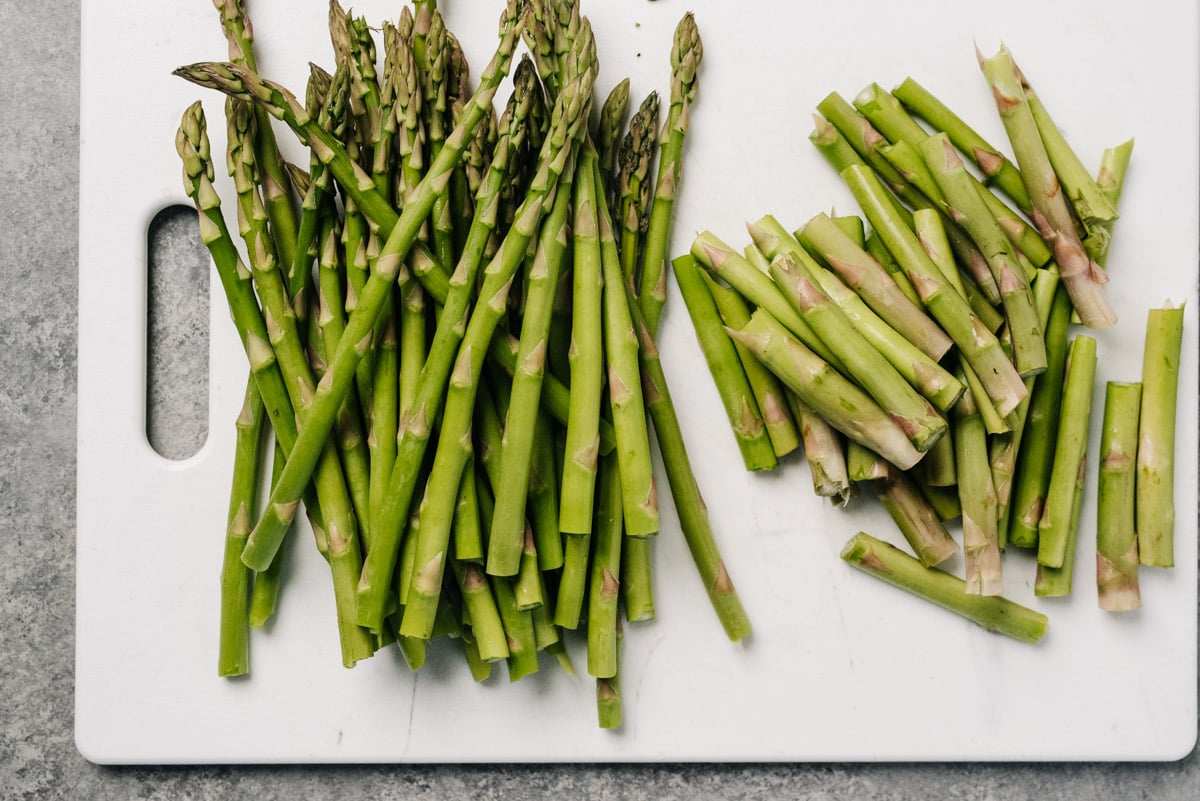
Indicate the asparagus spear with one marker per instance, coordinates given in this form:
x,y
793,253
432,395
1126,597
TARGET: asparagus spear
x,y
633,188
843,405
1055,532
605,573
897,568
995,166
1116,540
233,654
824,452
1083,278
586,356
1156,437
732,384
915,518
1055,582
608,133
977,496
686,53
978,346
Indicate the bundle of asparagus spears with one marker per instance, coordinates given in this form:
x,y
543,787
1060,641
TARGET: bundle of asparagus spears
x,y
927,351
451,340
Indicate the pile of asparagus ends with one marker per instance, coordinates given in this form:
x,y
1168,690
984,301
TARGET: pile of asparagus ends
x,y
927,351
449,317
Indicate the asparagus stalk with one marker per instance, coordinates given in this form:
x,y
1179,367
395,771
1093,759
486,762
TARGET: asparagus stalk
x,y
842,404
1156,437
931,233
864,465
867,366
967,206
977,345
609,708
1083,278
268,533
264,595
586,357
686,53
1116,539
977,496
608,133
1041,431
995,166
1055,582
824,452
916,519
993,613
633,186
769,394
1111,179
605,573
732,384
543,505
1055,532
233,654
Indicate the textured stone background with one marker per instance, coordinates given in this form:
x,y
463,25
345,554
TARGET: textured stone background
x,y
39,95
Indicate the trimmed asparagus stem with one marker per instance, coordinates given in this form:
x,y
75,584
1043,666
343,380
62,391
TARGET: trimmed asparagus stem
x,y
269,532
915,415
865,276
732,384
769,394
526,584
1041,431
686,53
608,132
1055,533
631,209
1055,582
918,368
233,653
824,452
508,522
864,465
385,412
1156,437
609,708
1083,278
689,505
968,208
637,579
264,595
1111,180
997,614
1116,539
454,441
490,641
416,426
586,358
977,497
938,467
468,531
568,605
639,496
879,252
994,165
605,573
978,346
944,500
852,226
843,405
916,519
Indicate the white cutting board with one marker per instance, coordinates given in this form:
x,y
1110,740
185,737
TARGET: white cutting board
x,y
841,667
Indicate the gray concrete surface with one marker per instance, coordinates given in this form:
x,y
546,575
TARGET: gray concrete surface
x,y
39,47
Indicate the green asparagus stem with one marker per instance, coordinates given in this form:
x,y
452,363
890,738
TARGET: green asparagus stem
x,y
609,709
605,573
931,233
1054,530
468,533
825,453
633,188
542,506
977,497
686,53
994,165
1156,437
1111,179
268,534
914,414
233,654
454,442
732,385
899,569
586,358
508,523
839,402
967,206
916,519
863,464
878,251
1083,278
1055,582
769,394
1041,431
264,595
1116,540
978,346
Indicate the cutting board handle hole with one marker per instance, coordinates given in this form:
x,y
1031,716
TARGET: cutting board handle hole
x,y
177,317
